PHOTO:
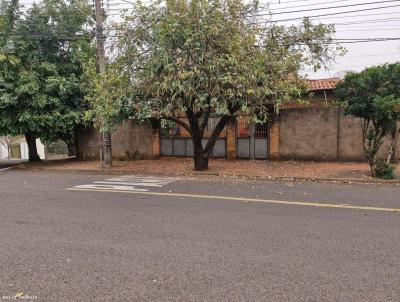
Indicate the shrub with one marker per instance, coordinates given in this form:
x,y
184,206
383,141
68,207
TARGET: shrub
x,y
384,170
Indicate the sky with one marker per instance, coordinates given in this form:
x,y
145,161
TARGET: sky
x,y
353,19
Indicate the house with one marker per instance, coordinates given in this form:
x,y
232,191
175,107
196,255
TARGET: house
x,y
314,129
19,149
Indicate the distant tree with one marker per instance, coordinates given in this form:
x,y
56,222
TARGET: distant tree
x,y
41,70
6,141
200,57
374,96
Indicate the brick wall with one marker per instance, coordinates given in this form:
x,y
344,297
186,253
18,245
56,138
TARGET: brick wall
x,y
231,140
274,140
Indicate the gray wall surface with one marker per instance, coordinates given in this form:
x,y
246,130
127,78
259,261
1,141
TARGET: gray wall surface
x,y
131,140
322,134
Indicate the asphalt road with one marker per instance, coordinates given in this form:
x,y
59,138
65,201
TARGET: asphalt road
x,y
196,240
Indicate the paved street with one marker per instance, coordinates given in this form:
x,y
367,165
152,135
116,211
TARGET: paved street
x,y
83,237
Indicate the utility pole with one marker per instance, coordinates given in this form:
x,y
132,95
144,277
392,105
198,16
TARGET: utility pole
x,y
107,154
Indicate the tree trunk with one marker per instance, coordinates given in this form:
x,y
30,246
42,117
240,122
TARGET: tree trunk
x,y
200,159
393,144
202,155
390,154
200,162
31,141
372,168
71,148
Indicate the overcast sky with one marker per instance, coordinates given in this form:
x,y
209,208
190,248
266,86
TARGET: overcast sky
x,y
363,19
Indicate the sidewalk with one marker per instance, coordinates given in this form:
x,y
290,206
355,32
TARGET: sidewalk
x,y
5,163
288,170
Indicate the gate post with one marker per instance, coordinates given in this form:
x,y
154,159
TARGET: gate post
x,y
156,137
274,140
252,132
231,137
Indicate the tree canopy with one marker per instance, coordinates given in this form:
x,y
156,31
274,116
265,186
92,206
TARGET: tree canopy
x,y
194,58
42,80
374,96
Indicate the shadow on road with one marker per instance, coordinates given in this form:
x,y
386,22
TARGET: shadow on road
x,y
6,163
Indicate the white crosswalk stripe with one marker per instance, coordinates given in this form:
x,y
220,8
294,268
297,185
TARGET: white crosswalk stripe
x,y
127,183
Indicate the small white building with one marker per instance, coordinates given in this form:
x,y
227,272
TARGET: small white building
x,y
19,150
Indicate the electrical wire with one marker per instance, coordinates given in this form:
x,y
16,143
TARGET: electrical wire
x,y
330,7
334,14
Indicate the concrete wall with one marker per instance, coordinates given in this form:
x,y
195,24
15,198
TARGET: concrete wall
x,y
308,134
24,150
322,134
131,140
3,152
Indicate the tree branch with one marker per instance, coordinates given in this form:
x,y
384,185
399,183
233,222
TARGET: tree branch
x,y
178,121
217,131
204,121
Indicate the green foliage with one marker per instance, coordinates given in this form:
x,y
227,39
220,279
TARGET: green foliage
x,y
199,54
57,148
197,57
42,80
109,97
374,96
384,170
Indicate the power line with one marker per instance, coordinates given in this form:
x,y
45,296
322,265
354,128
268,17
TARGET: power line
x,y
315,9
364,30
355,66
312,4
272,9
372,55
324,15
359,15
87,34
292,1
333,14
330,7
384,20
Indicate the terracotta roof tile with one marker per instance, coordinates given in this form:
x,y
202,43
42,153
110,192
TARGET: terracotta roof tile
x,y
323,84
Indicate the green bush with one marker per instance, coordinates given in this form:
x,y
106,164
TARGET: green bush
x,y
58,148
384,170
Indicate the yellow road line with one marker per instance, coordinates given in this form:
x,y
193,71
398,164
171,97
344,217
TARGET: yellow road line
x,y
242,199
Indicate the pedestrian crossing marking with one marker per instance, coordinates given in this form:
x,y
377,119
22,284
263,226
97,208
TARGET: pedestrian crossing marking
x,y
143,184
127,183
108,187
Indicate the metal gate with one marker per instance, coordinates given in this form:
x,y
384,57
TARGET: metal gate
x,y
183,146
252,140
176,141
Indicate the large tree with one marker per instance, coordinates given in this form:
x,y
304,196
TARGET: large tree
x,y
374,96
41,72
194,58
